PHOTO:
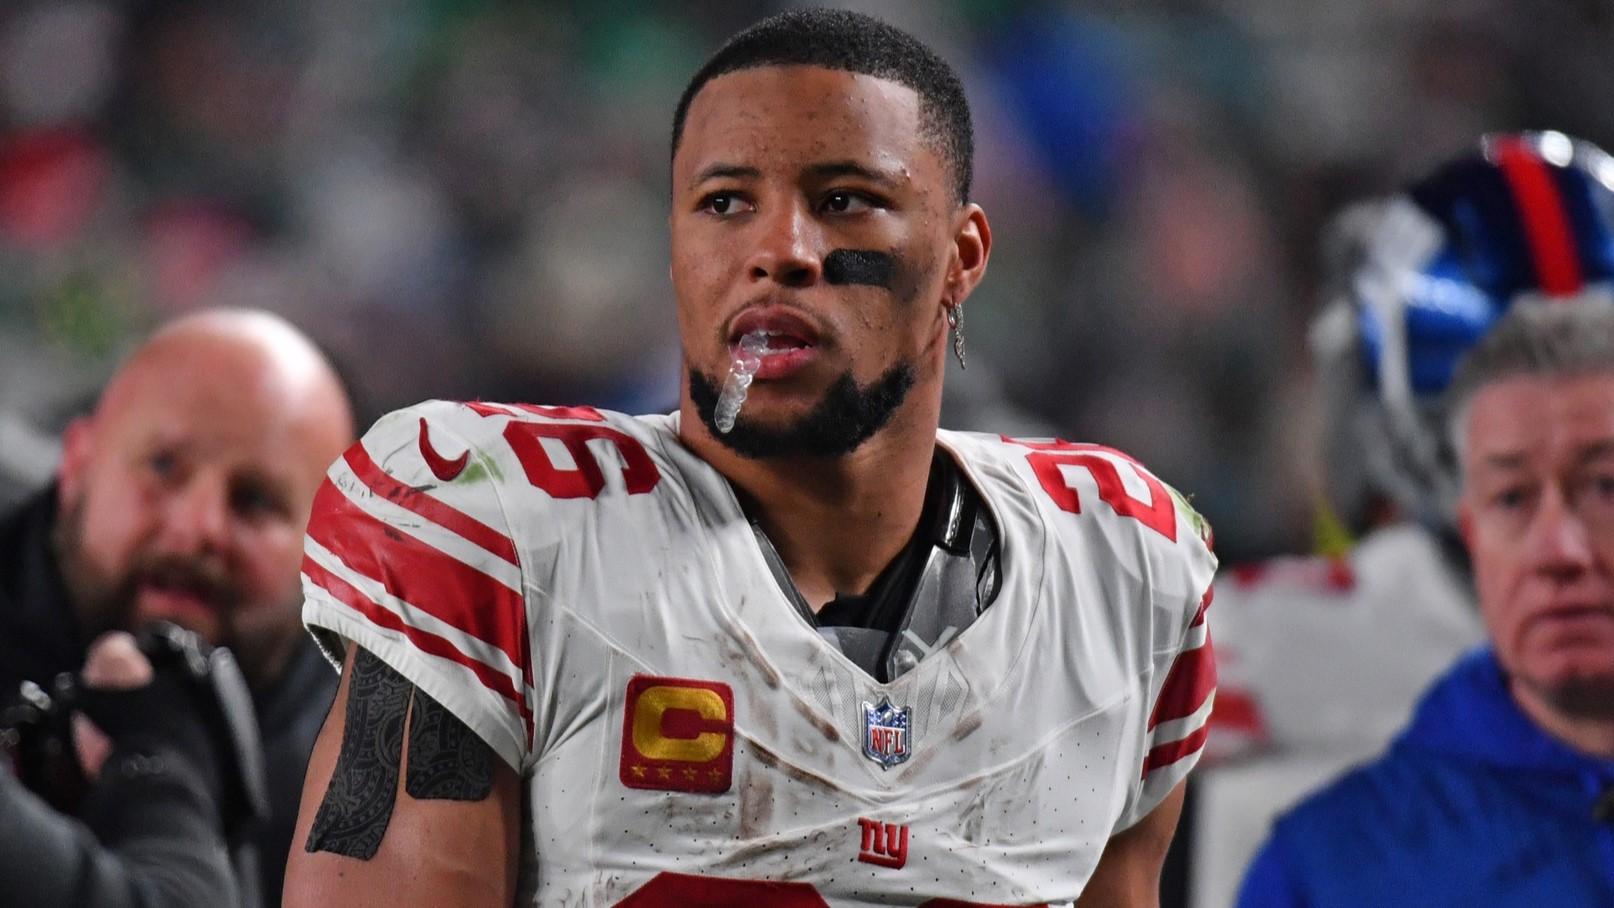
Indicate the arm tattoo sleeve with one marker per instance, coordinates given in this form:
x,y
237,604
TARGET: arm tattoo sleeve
x,y
358,803
447,761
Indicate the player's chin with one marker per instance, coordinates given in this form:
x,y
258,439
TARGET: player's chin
x,y
777,408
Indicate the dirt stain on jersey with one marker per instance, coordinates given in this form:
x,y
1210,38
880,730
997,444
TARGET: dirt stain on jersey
x,y
967,726
824,726
765,719
924,756
973,820
747,649
756,804
801,774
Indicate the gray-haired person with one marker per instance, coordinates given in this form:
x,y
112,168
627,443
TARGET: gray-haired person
x,y
1501,790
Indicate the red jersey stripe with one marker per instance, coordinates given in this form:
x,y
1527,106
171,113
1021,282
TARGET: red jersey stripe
x,y
1546,222
1167,754
437,511
668,888
489,409
425,577
1204,606
1190,681
425,641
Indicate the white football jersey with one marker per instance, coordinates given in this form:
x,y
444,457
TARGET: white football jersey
x,y
1329,654
1320,662
589,598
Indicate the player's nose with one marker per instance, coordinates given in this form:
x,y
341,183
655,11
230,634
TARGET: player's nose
x,y
786,247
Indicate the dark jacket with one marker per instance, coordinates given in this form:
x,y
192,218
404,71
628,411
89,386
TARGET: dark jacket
x,y
40,637
147,839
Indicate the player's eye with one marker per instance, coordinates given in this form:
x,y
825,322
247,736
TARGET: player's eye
x,y
723,203
843,201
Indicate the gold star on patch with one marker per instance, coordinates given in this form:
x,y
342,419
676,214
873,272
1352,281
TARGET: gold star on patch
x,y
638,771
665,773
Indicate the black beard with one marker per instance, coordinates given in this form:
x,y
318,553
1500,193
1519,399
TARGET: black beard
x,y
844,418
103,603
108,602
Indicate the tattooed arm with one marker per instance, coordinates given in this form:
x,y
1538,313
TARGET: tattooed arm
x,y
402,805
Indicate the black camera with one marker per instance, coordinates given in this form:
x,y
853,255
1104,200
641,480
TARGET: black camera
x,y
197,703
36,734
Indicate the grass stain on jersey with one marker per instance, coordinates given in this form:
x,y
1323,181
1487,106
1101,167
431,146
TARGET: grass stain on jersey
x,y
1195,519
479,470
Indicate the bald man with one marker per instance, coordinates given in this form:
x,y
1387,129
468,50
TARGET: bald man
x,y
183,497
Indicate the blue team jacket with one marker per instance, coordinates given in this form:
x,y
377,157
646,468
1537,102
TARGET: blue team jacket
x,y
1472,805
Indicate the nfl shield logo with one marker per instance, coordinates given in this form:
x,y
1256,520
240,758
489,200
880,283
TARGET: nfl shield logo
x,y
885,733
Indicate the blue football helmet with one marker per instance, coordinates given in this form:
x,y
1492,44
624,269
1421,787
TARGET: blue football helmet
x,y
1420,277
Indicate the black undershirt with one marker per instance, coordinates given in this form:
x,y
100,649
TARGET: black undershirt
x,y
955,529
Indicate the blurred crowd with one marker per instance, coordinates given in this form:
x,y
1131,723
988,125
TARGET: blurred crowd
x,y
465,198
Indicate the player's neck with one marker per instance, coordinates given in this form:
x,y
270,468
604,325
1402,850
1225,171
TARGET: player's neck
x,y
836,522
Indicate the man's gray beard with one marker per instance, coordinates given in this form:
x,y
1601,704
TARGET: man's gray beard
x,y
845,417
1580,698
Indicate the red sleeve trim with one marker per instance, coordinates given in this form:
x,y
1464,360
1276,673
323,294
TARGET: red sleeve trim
x,y
428,579
1204,606
1167,754
435,510
1188,685
425,641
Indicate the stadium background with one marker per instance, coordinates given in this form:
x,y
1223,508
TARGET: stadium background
x,y
465,198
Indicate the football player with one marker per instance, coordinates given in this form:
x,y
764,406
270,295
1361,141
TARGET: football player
x,y
793,644
1321,658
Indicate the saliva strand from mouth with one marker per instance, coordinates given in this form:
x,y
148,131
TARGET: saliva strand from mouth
x,y
747,360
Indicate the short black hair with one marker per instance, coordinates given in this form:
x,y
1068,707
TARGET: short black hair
x,y
855,43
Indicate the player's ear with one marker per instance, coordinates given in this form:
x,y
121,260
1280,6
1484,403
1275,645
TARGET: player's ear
x,y
972,246
78,444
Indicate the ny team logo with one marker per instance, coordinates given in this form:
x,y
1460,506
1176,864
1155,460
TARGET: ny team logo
x,y
884,844
885,732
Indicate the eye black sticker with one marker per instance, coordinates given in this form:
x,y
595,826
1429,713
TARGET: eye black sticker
x,y
867,267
